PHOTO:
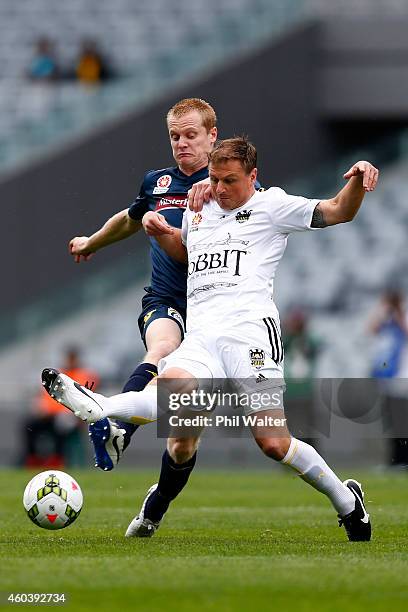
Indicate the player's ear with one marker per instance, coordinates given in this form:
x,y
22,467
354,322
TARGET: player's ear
x,y
213,134
254,174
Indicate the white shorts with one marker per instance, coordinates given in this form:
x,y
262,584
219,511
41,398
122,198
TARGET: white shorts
x,y
248,354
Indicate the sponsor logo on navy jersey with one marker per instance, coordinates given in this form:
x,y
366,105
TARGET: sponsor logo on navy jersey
x,y
162,185
171,202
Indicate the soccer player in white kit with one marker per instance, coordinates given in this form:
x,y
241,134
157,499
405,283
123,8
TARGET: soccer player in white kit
x,y
234,247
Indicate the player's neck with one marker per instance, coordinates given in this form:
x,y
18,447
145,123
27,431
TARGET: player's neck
x,y
193,169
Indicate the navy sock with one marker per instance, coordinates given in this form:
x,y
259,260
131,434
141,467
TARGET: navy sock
x,y
137,381
140,377
173,479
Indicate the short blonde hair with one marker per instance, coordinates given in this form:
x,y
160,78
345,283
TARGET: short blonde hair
x,y
187,105
238,148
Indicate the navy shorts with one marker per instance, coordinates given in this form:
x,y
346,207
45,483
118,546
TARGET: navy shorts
x,y
154,307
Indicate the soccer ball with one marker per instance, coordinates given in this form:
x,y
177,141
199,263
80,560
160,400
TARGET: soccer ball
x,y
53,499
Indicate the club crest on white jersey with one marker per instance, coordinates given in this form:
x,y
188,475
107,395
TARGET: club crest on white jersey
x,y
257,358
243,216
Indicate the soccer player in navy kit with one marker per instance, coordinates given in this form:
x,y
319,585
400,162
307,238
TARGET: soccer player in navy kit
x,y
192,130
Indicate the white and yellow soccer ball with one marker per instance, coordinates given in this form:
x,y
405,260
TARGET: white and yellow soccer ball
x,y
53,499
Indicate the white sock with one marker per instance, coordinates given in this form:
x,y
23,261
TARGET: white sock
x,y
313,469
137,407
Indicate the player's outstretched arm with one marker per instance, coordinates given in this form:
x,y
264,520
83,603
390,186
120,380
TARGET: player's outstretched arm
x,y
168,237
362,178
116,228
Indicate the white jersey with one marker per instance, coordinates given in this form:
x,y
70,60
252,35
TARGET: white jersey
x,y
233,256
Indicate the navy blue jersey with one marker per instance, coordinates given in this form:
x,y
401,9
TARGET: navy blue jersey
x,y
165,191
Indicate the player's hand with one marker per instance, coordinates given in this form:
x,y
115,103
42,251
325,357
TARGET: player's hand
x,y
367,171
198,194
79,248
155,224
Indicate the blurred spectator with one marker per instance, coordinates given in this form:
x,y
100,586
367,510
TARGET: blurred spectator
x,y
390,327
91,67
52,438
301,351
44,66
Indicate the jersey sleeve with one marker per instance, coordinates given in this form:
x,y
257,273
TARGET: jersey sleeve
x,y
140,206
291,213
184,228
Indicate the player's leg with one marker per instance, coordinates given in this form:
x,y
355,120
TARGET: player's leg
x,y
256,363
177,464
162,330
161,336
179,459
135,407
347,498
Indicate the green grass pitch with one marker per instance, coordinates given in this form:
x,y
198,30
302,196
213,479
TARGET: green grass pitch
x,y
238,540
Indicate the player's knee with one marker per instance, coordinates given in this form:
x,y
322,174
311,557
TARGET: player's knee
x,y
275,448
178,381
181,449
160,349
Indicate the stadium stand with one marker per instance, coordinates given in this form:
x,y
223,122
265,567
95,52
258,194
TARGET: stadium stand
x,y
190,36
